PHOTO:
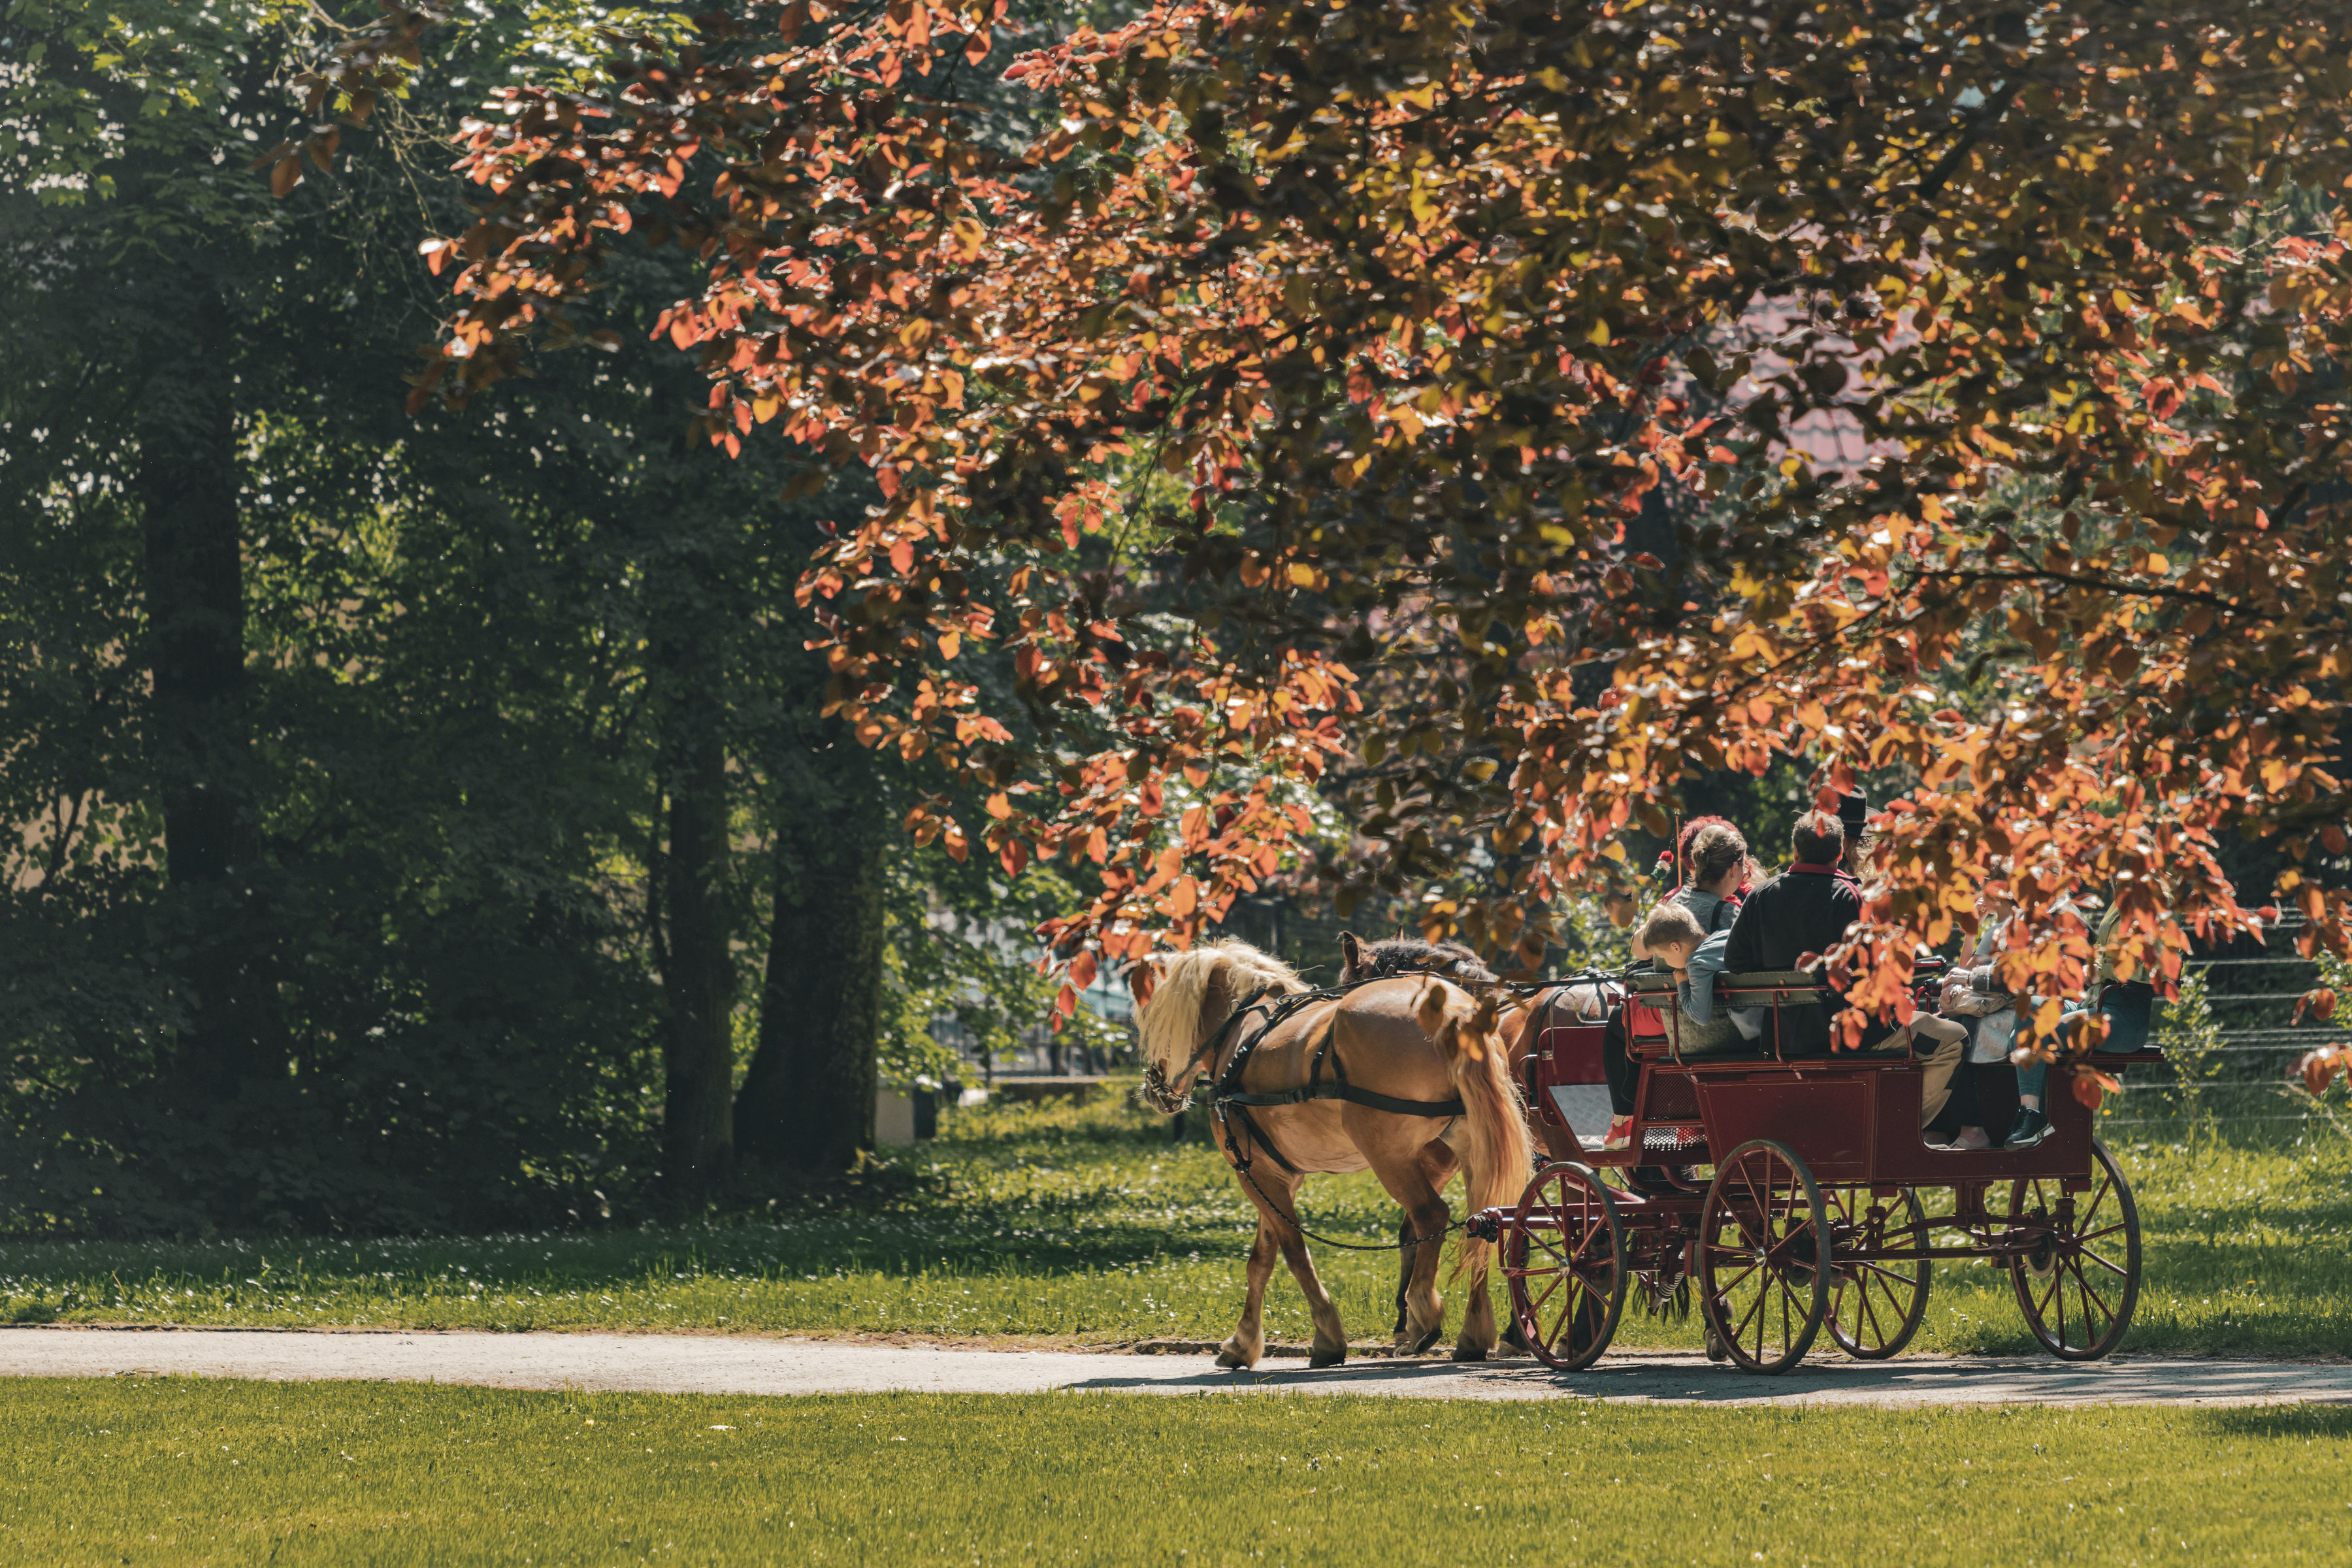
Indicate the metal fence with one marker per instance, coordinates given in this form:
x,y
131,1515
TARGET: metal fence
x,y
2257,1039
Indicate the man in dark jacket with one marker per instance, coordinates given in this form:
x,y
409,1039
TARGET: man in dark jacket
x,y
1805,909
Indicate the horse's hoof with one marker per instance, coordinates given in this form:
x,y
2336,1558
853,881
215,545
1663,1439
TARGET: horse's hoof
x,y
1469,1352
1516,1342
1427,1340
1318,1360
1233,1360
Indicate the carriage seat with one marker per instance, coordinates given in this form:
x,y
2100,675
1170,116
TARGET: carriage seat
x,y
1651,1009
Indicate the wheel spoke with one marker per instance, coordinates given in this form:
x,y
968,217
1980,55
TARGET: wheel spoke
x,y
2082,1220
1726,1290
2042,1308
1535,1307
1895,1303
2089,1295
1863,1266
2100,1259
1599,1289
1763,1206
1560,1322
1739,1330
1869,1314
1593,1227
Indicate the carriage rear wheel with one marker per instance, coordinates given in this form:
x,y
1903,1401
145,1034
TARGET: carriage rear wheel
x,y
1564,1256
1765,1257
1875,1304
2078,1285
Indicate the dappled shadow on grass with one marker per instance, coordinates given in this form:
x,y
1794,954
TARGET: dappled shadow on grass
x,y
2290,1423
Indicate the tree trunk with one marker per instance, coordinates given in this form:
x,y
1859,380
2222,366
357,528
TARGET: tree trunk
x,y
192,579
808,1103
698,977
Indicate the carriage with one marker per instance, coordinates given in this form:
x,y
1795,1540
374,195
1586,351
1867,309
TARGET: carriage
x,y
1815,1215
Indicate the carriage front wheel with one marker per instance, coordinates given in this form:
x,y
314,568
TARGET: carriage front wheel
x,y
1564,1257
1764,1257
2080,1279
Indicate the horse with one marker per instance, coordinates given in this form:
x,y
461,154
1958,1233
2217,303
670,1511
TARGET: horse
x,y
1412,1039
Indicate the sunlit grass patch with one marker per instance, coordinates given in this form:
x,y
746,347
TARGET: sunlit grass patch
x,y
1086,1223
180,1471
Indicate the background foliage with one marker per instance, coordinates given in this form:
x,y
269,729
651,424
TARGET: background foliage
x,y
409,917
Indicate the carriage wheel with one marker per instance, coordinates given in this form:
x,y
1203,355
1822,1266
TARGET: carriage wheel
x,y
1564,1256
1764,1257
1876,1306
2078,1287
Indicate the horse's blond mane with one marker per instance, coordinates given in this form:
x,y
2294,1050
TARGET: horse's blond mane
x,y
1172,1021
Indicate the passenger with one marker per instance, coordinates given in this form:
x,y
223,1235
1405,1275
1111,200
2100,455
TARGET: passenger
x,y
1684,949
1853,816
1805,909
1715,873
1721,876
1975,991
2128,1006
1674,939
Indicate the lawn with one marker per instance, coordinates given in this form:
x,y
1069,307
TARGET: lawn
x,y
1088,1224
178,1471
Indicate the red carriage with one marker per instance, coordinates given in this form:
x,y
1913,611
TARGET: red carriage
x,y
1814,1216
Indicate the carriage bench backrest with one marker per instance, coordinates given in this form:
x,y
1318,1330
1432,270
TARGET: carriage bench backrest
x,y
1651,1015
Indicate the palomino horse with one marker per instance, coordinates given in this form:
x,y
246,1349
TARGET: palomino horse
x,y
1411,1039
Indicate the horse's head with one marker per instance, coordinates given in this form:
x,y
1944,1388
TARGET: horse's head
x,y
1189,996
1361,960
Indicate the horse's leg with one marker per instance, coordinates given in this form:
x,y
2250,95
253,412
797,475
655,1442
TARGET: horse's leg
x,y
1405,1174
1248,1341
1438,1162
1405,1267
1330,1346
1477,1338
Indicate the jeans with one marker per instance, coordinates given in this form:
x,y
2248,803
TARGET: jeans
x,y
2127,1006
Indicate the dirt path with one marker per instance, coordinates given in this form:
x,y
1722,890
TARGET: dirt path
x,y
746,1365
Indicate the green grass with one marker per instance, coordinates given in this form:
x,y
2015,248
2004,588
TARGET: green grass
x,y
1088,1224
178,1471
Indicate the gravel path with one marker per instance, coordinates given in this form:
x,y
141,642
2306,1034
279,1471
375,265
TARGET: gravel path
x,y
746,1365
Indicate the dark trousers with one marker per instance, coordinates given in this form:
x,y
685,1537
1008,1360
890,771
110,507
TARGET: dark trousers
x,y
1617,1063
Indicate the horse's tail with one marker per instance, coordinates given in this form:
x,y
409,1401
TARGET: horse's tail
x,y
1495,1152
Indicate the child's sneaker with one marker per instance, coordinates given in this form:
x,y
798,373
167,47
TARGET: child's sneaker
x,y
1621,1134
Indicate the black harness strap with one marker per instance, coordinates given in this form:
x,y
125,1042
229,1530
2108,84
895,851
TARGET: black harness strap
x,y
1353,1096
1229,1104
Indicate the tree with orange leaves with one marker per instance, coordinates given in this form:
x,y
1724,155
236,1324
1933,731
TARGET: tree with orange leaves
x,y
1309,326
